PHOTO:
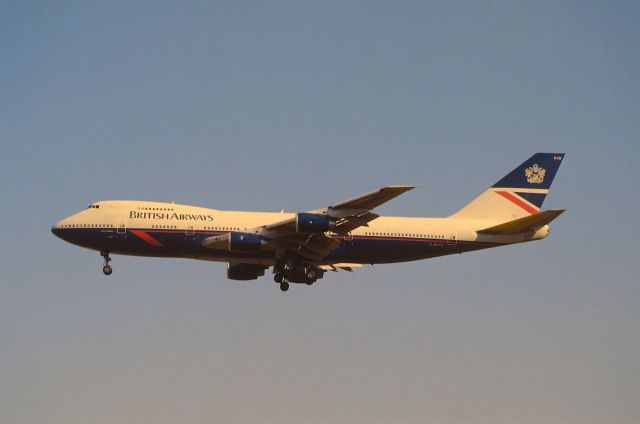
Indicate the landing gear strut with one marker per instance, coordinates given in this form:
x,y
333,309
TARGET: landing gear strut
x,y
106,269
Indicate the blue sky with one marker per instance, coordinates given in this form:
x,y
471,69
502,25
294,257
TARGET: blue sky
x,y
295,105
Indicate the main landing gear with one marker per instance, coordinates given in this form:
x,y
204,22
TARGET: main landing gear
x,y
284,275
106,268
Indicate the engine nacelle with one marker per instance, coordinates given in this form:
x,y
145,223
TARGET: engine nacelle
x,y
244,272
314,223
245,242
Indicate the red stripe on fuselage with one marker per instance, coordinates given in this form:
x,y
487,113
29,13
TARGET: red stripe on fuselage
x,y
516,200
146,237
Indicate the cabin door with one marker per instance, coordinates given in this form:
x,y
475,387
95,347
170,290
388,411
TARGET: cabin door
x,y
122,226
453,238
348,239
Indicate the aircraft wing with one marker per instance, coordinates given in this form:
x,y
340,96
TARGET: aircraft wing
x,y
345,216
343,225
366,202
350,214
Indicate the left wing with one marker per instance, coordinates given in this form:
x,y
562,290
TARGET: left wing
x,y
311,234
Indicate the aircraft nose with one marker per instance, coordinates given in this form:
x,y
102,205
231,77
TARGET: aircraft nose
x,y
56,229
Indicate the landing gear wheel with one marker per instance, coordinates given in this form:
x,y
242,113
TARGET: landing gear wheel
x,y
311,275
284,286
106,268
278,278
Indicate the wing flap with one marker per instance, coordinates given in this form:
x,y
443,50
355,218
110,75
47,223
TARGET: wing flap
x,y
315,246
351,223
523,225
343,266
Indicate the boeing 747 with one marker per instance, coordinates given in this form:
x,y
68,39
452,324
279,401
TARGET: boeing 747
x,y
302,246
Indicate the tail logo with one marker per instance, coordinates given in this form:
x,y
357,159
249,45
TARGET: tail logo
x,y
535,174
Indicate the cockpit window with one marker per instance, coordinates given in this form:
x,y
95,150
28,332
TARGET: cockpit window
x,y
93,206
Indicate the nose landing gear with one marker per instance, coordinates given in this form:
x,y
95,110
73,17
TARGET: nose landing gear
x,y
106,269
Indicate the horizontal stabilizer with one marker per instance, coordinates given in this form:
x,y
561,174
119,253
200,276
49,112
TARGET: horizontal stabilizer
x,y
523,225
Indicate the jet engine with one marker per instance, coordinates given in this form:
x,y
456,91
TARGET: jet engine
x,y
314,223
245,242
244,272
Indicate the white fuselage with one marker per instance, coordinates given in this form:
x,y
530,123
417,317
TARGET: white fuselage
x,y
167,229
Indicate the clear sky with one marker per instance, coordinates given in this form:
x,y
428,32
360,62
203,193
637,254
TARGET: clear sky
x,y
295,105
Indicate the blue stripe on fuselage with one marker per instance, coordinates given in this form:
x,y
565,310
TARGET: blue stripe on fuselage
x,y
177,243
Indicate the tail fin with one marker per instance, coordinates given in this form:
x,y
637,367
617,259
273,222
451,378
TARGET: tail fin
x,y
520,193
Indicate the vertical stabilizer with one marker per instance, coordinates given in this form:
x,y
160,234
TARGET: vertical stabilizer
x,y
520,193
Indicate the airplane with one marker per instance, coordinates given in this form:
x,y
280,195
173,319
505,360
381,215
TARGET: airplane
x,y
301,247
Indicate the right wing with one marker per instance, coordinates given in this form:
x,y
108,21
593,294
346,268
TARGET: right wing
x,y
344,217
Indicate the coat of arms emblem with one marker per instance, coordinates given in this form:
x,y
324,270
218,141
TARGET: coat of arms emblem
x,y
535,174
